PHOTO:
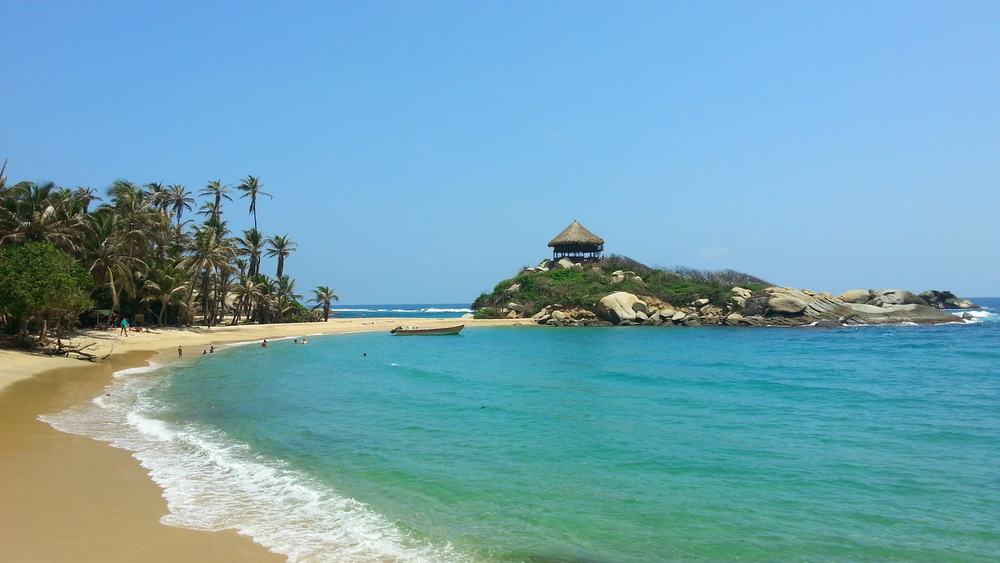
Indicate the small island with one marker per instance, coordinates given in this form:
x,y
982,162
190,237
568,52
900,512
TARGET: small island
x,y
579,286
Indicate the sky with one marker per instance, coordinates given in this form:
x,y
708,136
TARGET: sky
x,y
420,152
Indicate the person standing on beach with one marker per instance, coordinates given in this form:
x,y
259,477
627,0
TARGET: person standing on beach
x,y
211,349
124,326
180,351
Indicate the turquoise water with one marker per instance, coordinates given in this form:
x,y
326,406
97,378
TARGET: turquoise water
x,y
604,444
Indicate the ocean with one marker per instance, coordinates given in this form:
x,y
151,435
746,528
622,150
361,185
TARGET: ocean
x,y
414,311
588,444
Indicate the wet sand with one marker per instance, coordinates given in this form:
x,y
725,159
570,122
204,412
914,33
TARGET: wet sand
x,y
65,497
71,498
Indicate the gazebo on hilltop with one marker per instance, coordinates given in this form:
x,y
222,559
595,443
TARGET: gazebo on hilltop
x,y
576,243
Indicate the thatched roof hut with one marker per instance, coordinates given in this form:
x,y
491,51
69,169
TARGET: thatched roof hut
x,y
576,242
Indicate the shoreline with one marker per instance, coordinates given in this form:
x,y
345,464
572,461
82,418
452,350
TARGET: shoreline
x,y
90,500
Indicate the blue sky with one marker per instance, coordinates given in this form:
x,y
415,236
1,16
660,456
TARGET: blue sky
x,y
422,151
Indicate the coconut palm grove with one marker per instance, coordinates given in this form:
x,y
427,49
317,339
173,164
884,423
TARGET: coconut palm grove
x,y
155,254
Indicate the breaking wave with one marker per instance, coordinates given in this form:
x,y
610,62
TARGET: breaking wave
x,y
211,482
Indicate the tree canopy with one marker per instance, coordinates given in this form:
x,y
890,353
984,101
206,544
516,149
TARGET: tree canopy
x,y
37,280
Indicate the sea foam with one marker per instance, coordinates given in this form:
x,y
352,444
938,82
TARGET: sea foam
x,y
211,482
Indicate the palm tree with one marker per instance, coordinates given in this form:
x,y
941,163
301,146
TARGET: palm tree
x,y
111,263
208,255
251,188
168,287
247,292
282,247
285,299
251,245
158,196
44,213
217,191
180,199
322,297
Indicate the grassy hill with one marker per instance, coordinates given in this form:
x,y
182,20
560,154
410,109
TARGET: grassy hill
x,y
585,286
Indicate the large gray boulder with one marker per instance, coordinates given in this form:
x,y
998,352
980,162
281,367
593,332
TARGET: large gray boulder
x,y
856,296
786,301
617,277
883,297
620,306
786,305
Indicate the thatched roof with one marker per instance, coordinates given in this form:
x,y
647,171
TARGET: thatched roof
x,y
575,233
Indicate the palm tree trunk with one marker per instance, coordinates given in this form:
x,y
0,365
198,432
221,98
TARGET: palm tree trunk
x,y
163,311
281,266
204,298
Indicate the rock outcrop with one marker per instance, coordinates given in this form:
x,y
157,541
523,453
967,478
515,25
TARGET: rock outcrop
x,y
946,300
620,306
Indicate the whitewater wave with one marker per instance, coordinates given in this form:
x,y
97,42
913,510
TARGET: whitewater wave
x,y
981,314
423,310
211,482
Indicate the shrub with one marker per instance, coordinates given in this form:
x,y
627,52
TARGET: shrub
x,y
39,281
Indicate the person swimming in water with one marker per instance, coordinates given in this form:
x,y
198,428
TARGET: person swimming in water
x,y
264,344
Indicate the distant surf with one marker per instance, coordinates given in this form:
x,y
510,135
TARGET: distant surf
x,y
444,310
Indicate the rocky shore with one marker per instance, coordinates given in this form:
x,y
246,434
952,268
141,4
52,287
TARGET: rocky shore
x,y
774,306
564,293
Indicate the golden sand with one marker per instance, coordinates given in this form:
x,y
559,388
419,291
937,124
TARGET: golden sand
x,y
65,497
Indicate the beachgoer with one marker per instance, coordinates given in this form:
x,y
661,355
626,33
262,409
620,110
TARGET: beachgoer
x,y
180,351
296,341
124,326
204,352
304,341
211,349
264,344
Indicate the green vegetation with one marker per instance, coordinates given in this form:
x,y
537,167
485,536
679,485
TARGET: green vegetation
x,y
38,282
323,297
141,253
586,286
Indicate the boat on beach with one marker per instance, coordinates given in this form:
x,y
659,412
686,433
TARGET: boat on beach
x,y
416,331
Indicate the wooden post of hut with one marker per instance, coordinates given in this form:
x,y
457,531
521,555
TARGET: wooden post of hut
x,y
576,243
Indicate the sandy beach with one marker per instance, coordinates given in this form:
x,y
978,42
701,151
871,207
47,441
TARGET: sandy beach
x,y
65,497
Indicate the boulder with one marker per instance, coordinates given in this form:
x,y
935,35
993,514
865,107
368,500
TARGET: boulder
x,y
737,303
565,264
515,307
698,303
946,300
786,301
620,306
786,305
678,316
617,277
559,315
733,319
512,315
641,317
710,310
637,280
856,296
513,288
741,292
885,297
543,313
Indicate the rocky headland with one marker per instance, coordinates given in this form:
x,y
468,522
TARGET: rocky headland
x,y
620,291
